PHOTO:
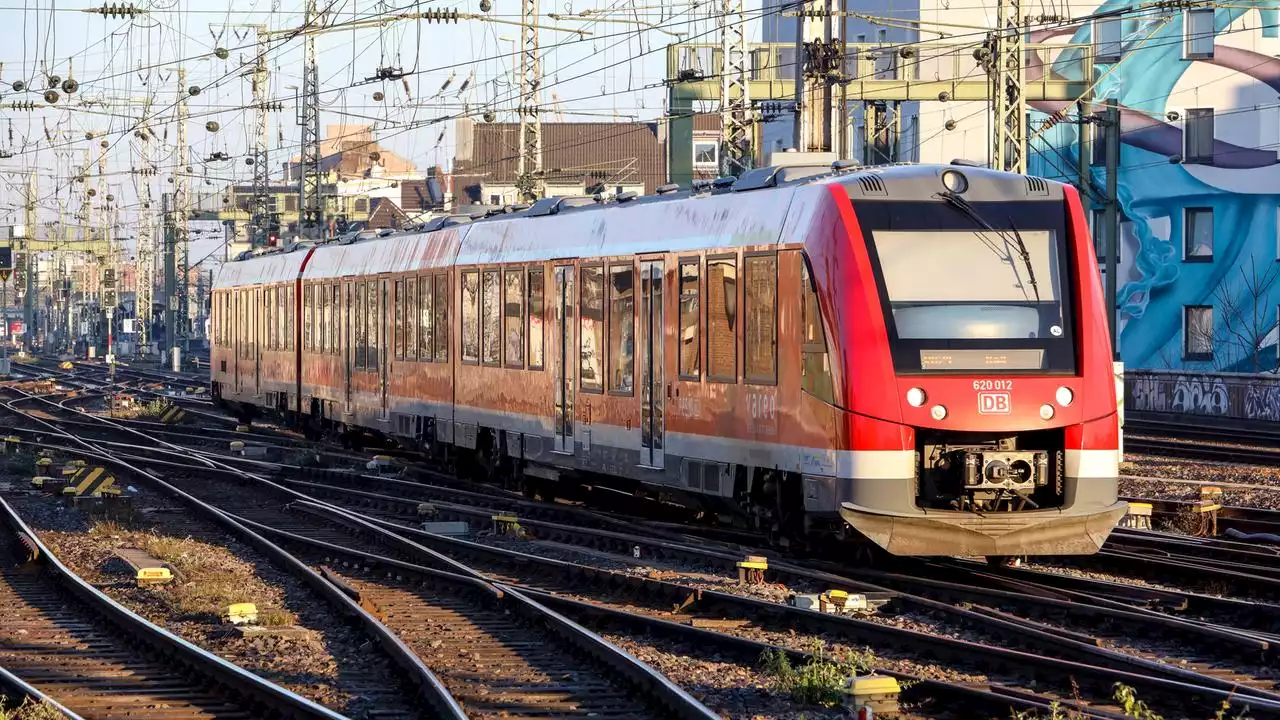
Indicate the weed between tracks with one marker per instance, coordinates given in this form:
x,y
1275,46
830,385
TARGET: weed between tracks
x,y
820,680
1132,707
28,710
209,578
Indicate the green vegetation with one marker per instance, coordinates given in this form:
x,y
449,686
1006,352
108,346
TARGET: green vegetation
x,y
820,680
1127,698
28,710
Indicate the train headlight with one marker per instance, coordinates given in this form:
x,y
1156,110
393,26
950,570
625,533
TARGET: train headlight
x,y
938,412
916,397
1064,396
1046,412
955,181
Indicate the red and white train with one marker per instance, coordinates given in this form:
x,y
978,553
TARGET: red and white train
x,y
914,354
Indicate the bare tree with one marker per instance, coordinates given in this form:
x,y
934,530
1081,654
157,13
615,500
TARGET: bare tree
x,y
1243,309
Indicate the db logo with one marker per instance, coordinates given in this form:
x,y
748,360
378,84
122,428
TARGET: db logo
x,y
993,403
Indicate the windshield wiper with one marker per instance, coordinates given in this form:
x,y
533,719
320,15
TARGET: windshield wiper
x,y
1015,239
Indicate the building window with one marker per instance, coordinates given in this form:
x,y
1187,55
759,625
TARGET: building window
x,y
1197,332
536,290
1197,34
690,317
513,318
622,329
591,294
1098,227
706,154
362,204
760,337
815,365
491,317
291,203
1197,234
1198,136
722,319
1106,40
471,317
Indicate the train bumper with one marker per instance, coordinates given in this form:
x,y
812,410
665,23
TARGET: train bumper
x,y
943,532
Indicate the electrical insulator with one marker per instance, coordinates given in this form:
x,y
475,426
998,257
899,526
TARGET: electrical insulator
x,y
69,86
51,96
377,96
104,144
221,52
193,90
111,198
248,161
91,192
212,126
375,156
88,135
54,81
486,5
19,86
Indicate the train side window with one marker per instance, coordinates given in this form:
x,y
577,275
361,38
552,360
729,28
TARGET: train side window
x,y
332,318
282,312
591,296
424,316
399,336
722,319
536,289
362,339
306,319
491,317
622,329
690,327
291,317
760,347
815,365
322,319
374,327
471,317
513,317
411,328
441,325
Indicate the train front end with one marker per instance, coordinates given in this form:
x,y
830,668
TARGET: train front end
x,y
978,377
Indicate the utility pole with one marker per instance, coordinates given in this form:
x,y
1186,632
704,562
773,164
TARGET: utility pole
x,y
1009,136
29,297
529,175
145,247
736,132
820,66
170,281
181,208
310,205
261,173
1111,218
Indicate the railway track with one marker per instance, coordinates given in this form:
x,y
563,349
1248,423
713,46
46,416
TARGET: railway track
x,y
79,648
1206,672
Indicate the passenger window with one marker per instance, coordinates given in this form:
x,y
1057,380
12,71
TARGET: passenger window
x,y
410,316
622,328
424,318
362,338
376,313
513,317
690,317
761,330
722,319
591,296
490,311
306,320
536,289
399,337
815,365
322,318
281,312
471,317
441,306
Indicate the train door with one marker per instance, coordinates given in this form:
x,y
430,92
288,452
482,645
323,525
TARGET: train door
x,y
384,322
349,347
652,373
258,328
563,359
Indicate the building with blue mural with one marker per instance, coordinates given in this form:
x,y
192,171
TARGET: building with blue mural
x,y
1199,181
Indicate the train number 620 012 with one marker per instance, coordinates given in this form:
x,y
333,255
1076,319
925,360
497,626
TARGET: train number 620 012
x,y
992,384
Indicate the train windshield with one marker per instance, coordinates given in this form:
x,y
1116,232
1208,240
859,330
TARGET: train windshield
x,y
975,288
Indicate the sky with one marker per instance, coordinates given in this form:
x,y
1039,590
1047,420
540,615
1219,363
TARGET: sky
x,y
127,74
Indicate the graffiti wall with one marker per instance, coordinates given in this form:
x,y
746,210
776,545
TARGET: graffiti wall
x,y
1228,396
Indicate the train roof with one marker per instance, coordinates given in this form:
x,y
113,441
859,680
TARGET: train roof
x,y
780,203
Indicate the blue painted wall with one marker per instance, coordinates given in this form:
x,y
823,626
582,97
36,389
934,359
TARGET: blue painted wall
x,y
1242,282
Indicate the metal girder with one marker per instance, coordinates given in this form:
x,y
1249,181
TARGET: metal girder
x,y
261,173
1008,75
736,154
529,174
954,65
310,202
181,211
